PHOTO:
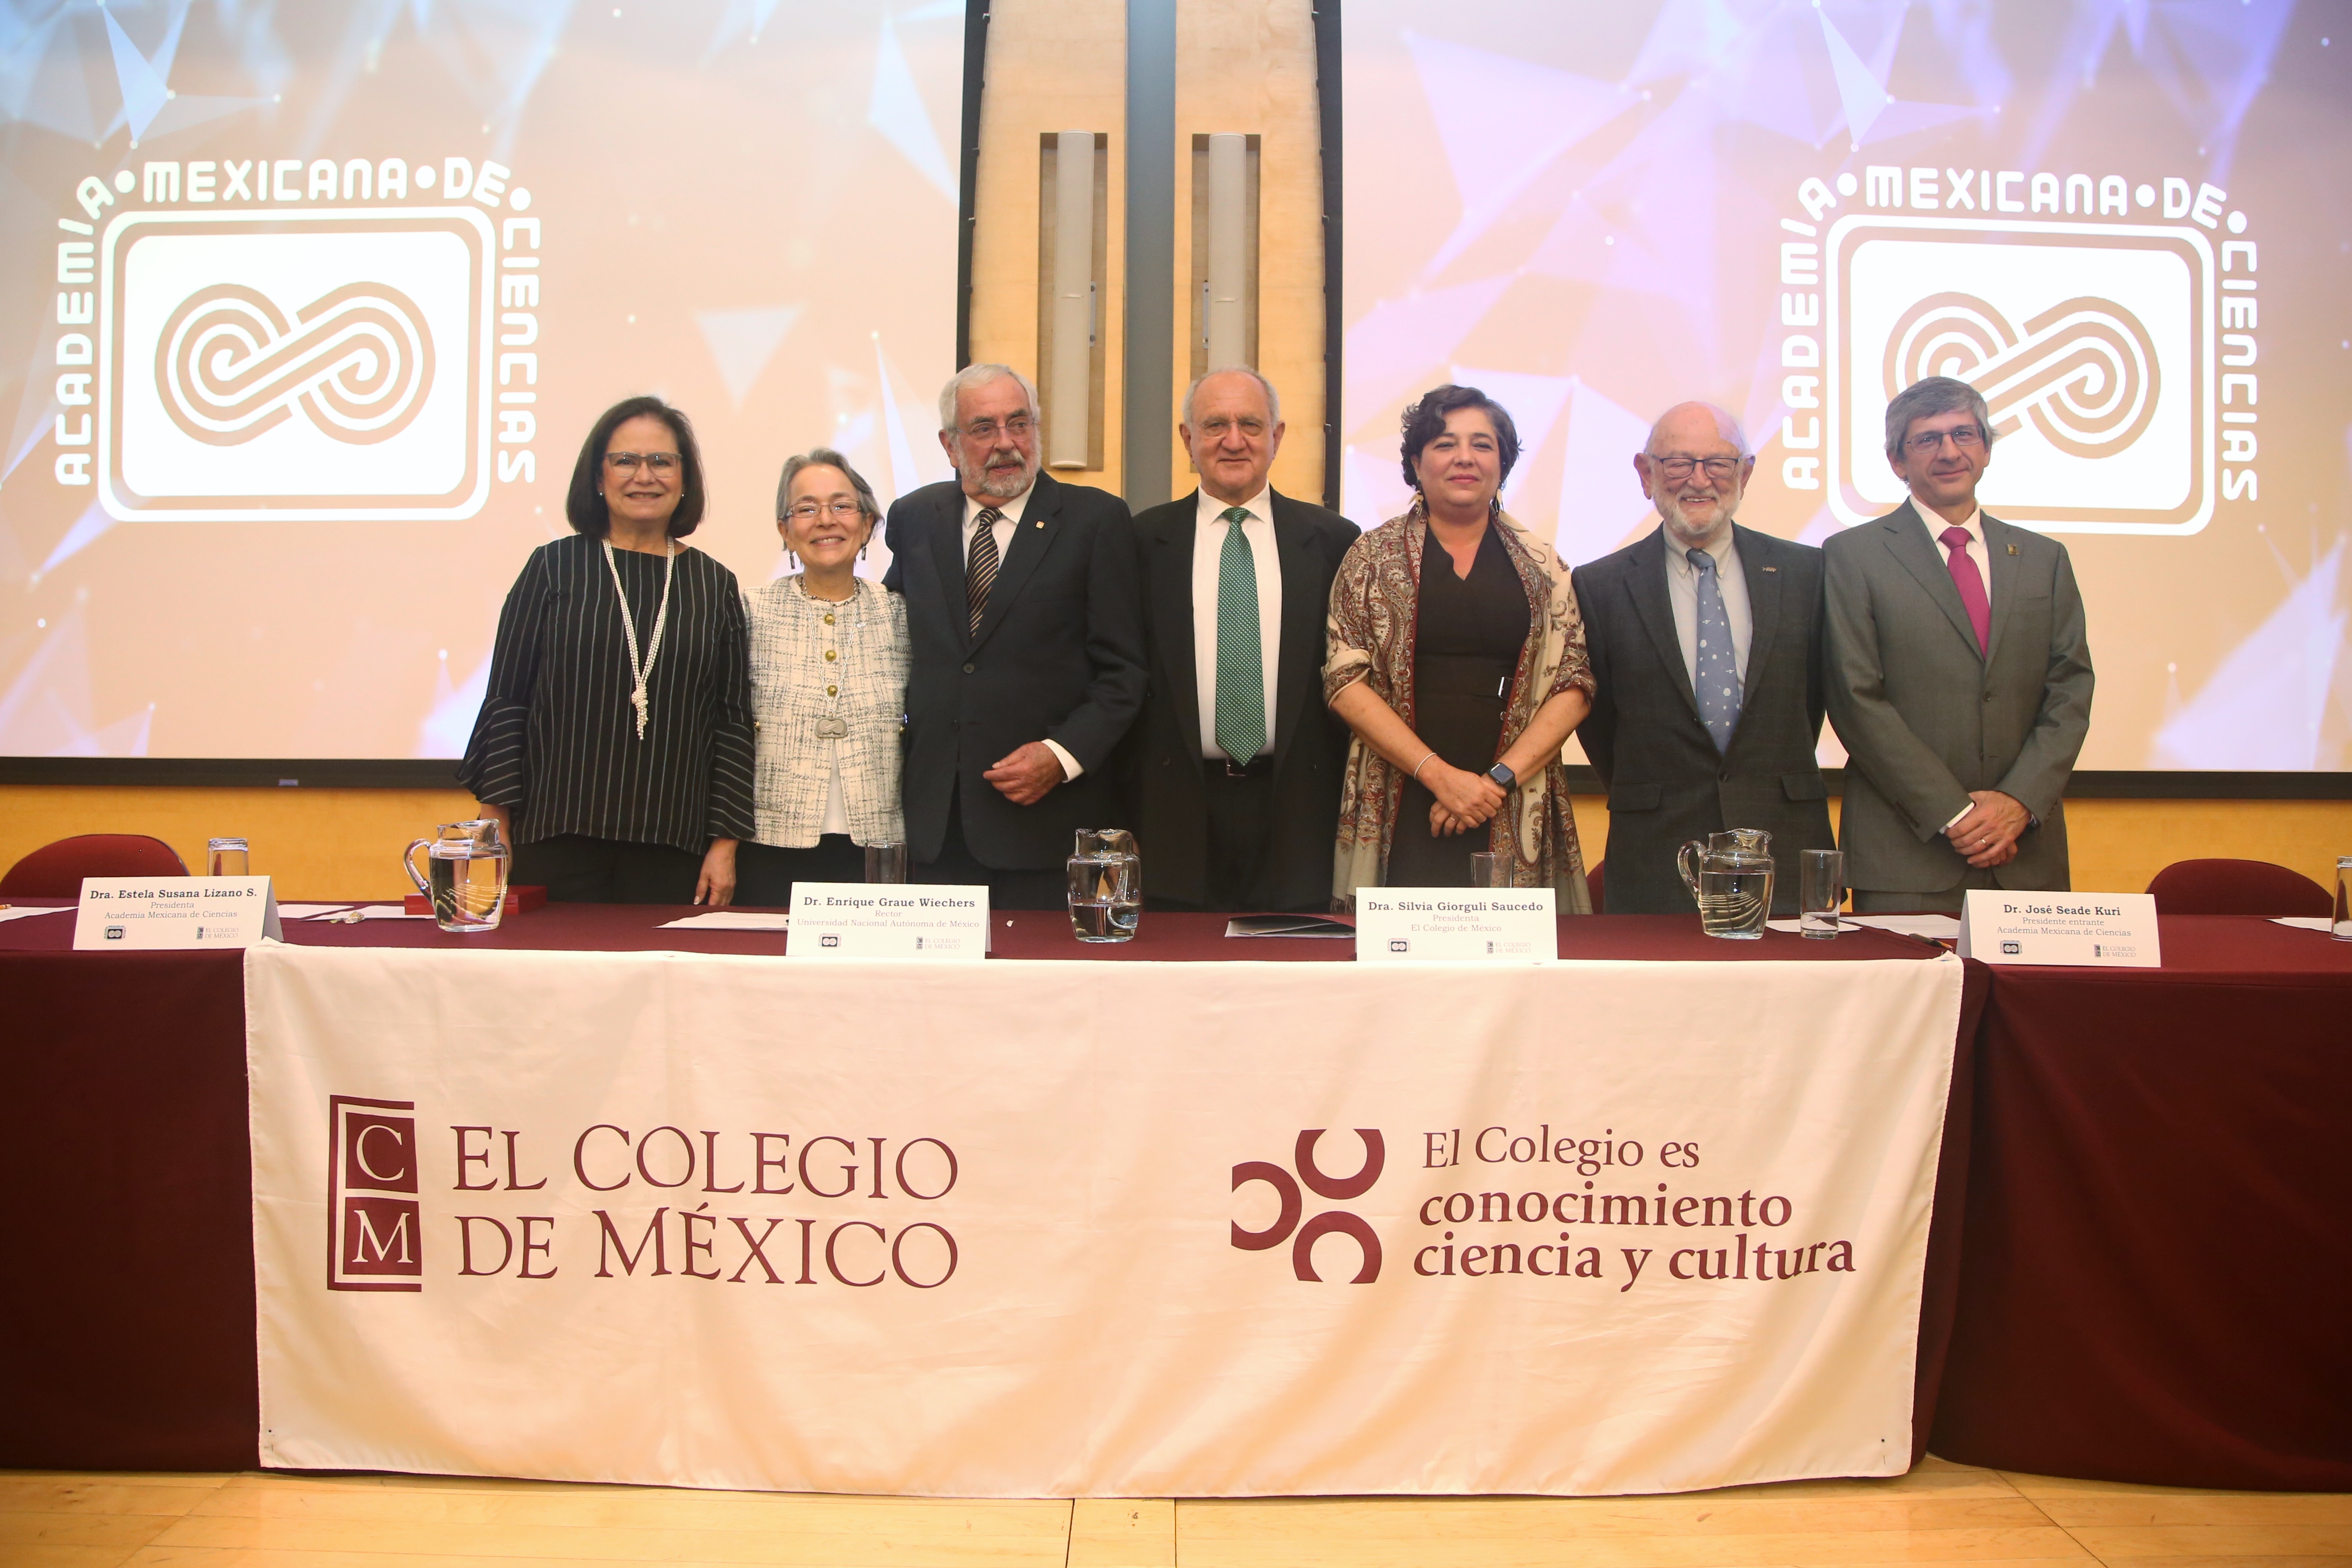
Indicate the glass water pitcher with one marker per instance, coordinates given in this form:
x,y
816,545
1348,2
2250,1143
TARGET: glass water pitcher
x,y
1731,875
464,877
1106,885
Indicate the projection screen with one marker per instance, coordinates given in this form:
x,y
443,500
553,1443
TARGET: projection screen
x,y
306,309
2128,224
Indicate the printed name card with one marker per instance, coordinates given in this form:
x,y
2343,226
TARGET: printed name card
x,y
151,913
2092,929
1456,924
887,920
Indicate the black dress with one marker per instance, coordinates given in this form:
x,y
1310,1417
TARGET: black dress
x,y
1466,645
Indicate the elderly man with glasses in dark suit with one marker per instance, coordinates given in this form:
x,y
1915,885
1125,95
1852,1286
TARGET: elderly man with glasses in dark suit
x,y
1706,640
1027,650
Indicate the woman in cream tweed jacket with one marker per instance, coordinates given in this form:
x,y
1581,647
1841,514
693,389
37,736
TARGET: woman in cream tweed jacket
x,y
828,692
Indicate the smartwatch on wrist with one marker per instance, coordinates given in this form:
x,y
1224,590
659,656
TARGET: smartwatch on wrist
x,y
1501,774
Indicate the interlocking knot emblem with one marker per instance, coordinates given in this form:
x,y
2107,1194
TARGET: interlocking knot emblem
x,y
1339,1189
356,362
2085,372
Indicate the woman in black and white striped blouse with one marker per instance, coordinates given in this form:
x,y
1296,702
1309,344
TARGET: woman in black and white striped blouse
x,y
615,744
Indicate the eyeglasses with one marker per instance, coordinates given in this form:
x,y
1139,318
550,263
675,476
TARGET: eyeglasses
x,y
660,464
1679,468
1967,438
1019,425
809,511
1217,425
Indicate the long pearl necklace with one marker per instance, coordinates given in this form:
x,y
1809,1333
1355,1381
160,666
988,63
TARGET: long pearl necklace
x,y
643,672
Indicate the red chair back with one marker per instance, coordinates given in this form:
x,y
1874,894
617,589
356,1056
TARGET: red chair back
x,y
55,871
2237,887
1595,883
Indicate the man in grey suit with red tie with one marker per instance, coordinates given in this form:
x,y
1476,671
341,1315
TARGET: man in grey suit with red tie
x,y
1960,675
1026,651
1706,639
1235,766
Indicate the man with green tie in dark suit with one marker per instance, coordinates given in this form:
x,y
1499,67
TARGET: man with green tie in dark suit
x,y
1235,766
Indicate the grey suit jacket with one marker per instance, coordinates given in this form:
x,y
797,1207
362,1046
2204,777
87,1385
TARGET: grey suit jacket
x,y
1926,718
1667,781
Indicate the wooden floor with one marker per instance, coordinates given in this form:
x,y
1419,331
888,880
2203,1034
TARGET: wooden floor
x,y
1941,1513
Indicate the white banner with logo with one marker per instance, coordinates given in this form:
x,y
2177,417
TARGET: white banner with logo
x,y
1092,1229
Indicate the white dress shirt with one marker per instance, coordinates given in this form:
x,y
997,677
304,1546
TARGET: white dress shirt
x,y
1682,589
1007,522
1208,547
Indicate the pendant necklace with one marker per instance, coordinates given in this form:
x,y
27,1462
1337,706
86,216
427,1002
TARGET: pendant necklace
x,y
644,672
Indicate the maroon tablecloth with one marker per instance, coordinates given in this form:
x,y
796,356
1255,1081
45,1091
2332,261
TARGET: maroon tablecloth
x,y
129,1308
2158,1259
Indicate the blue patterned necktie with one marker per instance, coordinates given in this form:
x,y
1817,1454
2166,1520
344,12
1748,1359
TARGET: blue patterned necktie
x,y
1241,655
1717,680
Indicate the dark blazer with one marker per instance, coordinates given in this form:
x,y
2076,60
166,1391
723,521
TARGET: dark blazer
x,y
1667,781
1310,745
1927,718
1060,656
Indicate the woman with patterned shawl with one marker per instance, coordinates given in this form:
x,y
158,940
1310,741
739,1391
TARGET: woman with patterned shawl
x,y
1461,682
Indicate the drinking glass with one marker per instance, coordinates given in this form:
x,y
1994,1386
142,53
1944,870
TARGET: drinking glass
x,y
886,862
1489,870
227,857
2340,928
1821,891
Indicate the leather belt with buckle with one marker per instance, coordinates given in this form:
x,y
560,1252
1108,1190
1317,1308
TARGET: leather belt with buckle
x,y
1256,768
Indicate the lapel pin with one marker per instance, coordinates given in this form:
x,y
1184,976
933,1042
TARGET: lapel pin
x,y
2013,549
1771,569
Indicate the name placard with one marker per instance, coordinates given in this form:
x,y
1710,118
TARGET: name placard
x,y
1456,924
151,914
887,920
2096,930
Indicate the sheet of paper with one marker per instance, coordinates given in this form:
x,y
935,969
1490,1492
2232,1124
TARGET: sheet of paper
x,y
732,920
307,911
22,914
1796,927
2305,922
386,912
1288,926
1939,927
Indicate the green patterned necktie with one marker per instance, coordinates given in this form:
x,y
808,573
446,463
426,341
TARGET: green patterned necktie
x,y
1241,658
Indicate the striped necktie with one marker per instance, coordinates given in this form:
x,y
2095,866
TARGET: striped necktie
x,y
980,565
1241,656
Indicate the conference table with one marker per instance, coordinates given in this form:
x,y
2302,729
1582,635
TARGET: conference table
x,y
2134,1269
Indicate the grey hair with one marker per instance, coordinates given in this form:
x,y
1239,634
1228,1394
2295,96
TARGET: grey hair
x,y
1928,397
1726,424
1273,398
975,376
825,457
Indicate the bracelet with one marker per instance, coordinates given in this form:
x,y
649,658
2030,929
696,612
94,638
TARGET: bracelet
x,y
1419,766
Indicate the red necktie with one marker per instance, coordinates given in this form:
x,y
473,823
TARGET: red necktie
x,y
1970,582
